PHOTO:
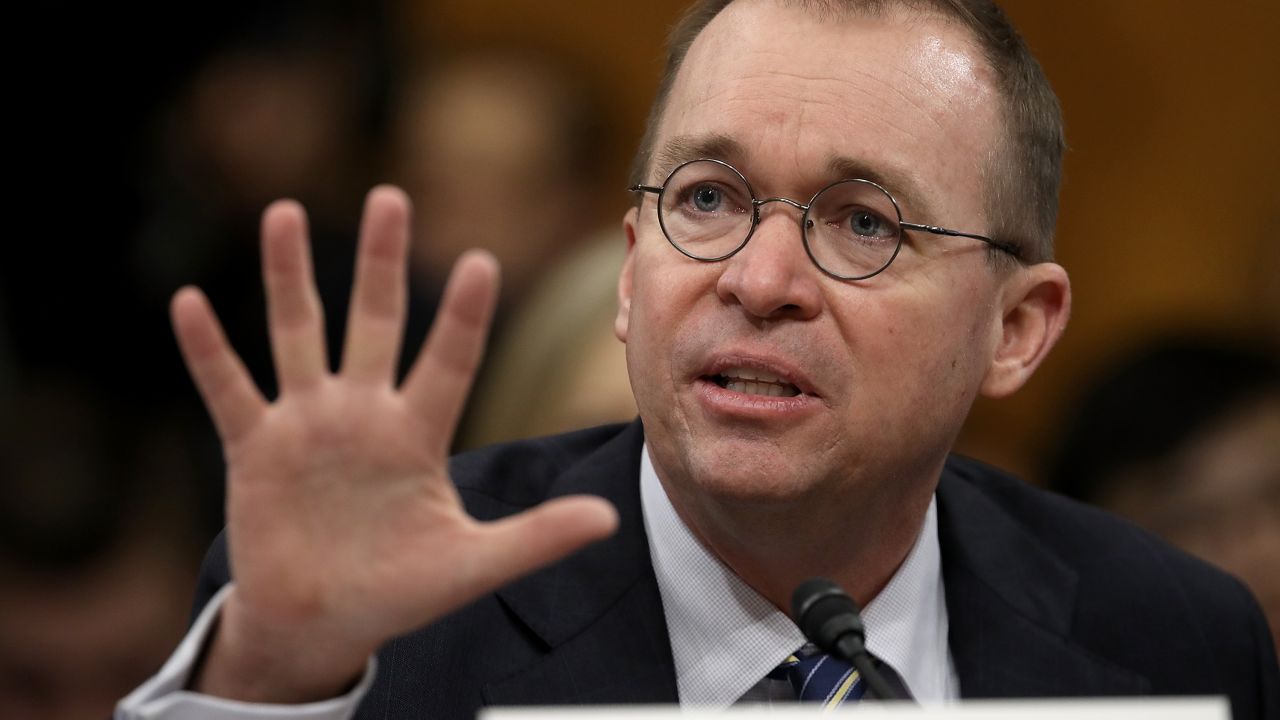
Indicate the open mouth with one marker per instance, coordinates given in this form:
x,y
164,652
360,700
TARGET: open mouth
x,y
754,382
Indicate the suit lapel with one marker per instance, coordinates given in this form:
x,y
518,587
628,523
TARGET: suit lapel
x,y
1009,603
599,612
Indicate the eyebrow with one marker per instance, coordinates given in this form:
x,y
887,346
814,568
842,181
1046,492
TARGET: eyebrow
x,y
899,184
684,148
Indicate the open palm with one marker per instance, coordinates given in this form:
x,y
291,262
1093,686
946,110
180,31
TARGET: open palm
x,y
344,529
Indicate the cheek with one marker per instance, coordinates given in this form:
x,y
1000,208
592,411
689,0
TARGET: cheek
x,y
674,317
928,362
655,314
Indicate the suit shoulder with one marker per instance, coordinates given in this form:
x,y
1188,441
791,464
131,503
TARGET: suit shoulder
x,y
1103,586
1111,555
521,473
1126,577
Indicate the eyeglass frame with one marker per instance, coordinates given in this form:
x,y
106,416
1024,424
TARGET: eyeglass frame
x,y
806,223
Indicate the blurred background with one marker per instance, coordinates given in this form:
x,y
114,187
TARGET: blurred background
x,y
150,137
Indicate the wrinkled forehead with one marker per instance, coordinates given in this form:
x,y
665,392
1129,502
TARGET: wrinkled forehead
x,y
886,89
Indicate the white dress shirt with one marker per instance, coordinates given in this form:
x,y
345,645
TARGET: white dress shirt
x,y
724,637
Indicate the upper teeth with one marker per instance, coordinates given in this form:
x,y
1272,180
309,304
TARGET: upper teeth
x,y
757,382
746,374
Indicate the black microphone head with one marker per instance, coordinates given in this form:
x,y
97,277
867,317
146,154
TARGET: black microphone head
x,y
830,619
825,613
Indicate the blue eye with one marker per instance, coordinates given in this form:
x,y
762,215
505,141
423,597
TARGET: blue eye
x,y
707,198
868,224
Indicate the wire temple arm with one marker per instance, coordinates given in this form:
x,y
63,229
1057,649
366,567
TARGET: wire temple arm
x,y
934,229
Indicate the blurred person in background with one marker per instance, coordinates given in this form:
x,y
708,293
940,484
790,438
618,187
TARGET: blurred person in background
x,y
1183,438
557,366
498,148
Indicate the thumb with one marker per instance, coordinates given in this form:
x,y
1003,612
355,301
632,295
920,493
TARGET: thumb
x,y
515,546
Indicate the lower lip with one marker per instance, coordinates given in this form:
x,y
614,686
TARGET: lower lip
x,y
730,403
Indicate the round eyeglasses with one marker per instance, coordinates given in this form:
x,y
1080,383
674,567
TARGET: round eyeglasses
x,y
852,229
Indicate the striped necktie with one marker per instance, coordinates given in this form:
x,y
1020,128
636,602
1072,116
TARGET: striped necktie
x,y
818,677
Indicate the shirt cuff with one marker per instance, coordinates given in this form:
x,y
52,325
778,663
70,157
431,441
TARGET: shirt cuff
x,y
163,697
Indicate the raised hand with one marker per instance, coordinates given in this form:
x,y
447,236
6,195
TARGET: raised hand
x,y
343,527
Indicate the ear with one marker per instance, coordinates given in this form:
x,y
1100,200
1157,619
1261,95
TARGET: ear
x,y
622,322
1035,304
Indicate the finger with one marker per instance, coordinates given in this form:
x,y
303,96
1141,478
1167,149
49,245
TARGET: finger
x,y
376,321
294,316
228,391
437,385
517,545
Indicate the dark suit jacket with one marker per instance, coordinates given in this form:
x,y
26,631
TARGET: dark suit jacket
x,y
1045,597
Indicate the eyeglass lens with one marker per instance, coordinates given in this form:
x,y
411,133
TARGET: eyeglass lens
x,y
852,229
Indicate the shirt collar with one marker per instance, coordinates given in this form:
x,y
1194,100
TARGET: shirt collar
x,y
725,636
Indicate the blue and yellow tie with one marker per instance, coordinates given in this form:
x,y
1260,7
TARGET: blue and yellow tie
x,y
818,677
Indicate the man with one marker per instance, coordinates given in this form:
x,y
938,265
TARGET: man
x,y
801,368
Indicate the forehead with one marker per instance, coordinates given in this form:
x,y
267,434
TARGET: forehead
x,y
802,94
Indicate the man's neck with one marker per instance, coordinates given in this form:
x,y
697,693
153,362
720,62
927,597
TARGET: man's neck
x,y
858,542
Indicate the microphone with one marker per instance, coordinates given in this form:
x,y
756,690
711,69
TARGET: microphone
x,y
829,618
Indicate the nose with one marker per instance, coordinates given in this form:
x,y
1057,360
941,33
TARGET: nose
x,y
772,276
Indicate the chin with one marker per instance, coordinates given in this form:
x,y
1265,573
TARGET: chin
x,y
749,473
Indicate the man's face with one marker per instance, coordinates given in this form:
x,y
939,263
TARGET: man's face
x,y
885,368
